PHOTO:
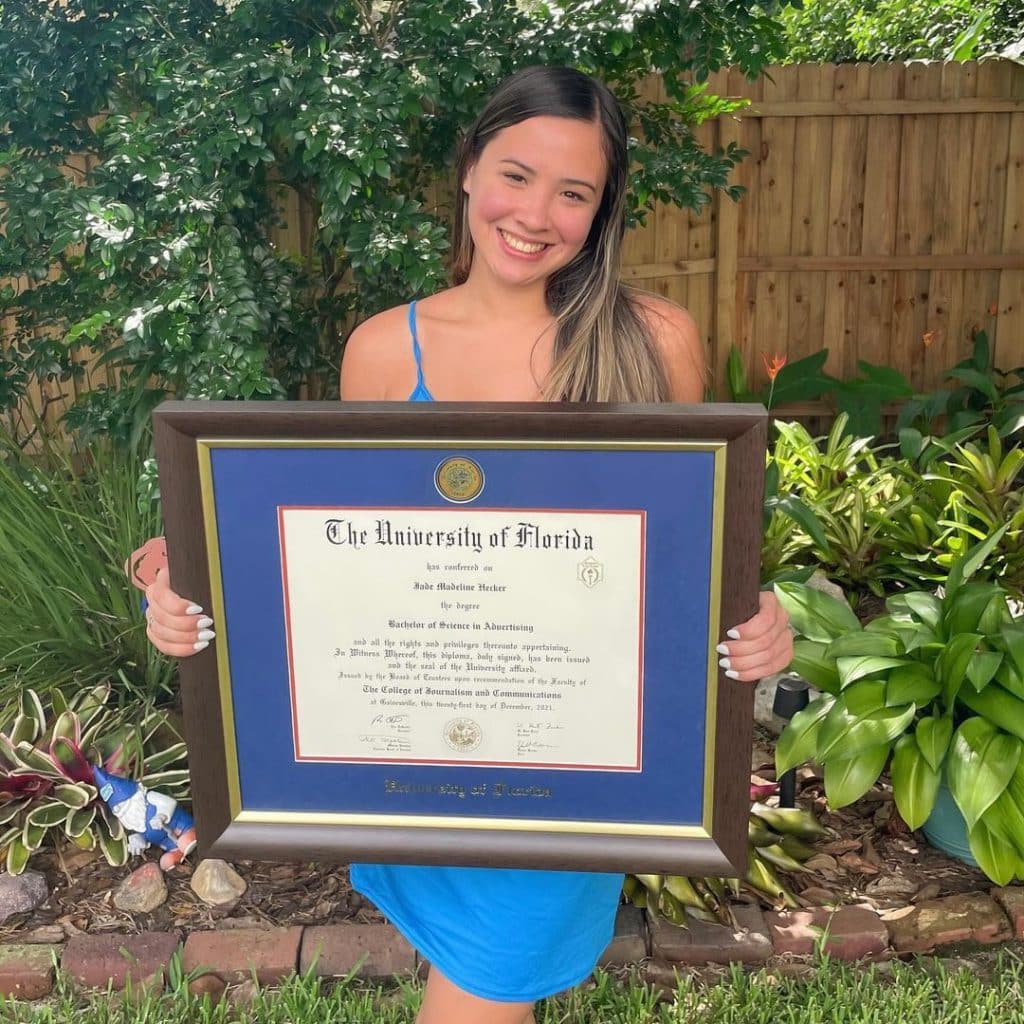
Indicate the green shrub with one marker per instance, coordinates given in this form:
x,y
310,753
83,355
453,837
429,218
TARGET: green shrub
x,y
192,113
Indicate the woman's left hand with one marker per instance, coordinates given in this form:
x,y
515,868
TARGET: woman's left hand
x,y
761,645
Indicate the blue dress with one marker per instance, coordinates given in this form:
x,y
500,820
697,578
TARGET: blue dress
x,y
499,933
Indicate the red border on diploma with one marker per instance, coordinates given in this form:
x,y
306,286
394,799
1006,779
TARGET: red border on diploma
x,y
281,509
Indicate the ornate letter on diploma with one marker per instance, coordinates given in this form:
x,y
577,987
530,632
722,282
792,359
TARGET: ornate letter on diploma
x,y
473,637
467,634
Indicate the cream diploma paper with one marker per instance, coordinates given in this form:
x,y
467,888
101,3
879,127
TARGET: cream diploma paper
x,y
465,636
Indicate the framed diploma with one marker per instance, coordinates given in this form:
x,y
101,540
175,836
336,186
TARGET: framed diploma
x,y
467,634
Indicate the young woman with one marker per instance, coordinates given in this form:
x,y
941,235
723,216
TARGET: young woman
x,y
536,312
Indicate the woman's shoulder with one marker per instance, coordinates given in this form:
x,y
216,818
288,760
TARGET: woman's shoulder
x,y
677,341
378,357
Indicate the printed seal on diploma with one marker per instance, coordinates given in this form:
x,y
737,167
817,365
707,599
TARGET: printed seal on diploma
x,y
467,634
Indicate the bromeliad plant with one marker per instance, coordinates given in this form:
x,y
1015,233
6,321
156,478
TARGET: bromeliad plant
x,y
47,753
779,838
938,685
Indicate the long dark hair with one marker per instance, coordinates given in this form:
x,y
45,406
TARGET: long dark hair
x,y
604,350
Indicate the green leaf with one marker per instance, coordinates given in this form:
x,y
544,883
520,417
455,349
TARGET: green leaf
x,y
982,668
912,684
966,608
865,697
75,796
933,736
815,615
803,516
844,734
951,664
798,740
847,780
915,782
852,669
811,662
48,815
17,857
865,644
964,567
927,607
980,765
995,857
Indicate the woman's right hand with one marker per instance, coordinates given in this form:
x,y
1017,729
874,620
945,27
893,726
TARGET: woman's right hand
x,y
175,625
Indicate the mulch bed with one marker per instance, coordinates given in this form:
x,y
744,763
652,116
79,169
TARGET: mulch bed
x,y
873,859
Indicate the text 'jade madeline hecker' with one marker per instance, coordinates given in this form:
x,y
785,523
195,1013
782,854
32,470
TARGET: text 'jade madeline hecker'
x,y
420,662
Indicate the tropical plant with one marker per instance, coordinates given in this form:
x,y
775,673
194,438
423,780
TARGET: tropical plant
x,y
47,754
984,395
147,146
69,618
938,685
778,838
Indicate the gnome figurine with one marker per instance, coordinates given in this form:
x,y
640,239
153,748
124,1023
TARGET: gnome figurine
x,y
148,817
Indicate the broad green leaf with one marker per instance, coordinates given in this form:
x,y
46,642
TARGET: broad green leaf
x,y
1012,637
982,667
1009,677
995,857
1005,819
915,782
75,796
798,741
951,665
912,684
980,765
86,840
865,697
815,615
933,736
844,735
811,663
852,669
803,517
968,605
17,857
865,644
997,706
79,821
49,814
114,849
32,835
927,607
847,780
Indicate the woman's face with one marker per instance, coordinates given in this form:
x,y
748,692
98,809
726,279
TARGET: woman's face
x,y
532,196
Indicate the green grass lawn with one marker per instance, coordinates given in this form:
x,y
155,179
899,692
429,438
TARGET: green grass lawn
x,y
923,992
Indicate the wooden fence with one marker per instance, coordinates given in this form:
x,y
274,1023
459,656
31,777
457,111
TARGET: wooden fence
x,y
883,219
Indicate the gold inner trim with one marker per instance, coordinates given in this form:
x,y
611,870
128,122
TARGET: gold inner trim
x,y
205,445
610,828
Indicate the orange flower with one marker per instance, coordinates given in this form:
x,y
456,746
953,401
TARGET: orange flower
x,y
929,337
772,368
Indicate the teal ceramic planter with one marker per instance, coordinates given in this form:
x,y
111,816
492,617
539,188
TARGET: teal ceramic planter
x,y
946,829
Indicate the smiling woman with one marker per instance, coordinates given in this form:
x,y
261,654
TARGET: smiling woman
x,y
536,311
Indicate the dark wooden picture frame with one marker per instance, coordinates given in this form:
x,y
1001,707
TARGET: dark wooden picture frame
x,y
717,847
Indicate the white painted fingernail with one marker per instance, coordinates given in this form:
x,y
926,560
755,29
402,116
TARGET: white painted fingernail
x,y
733,634
725,662
201,645
733,674
193,609
722,649
204,622
206,634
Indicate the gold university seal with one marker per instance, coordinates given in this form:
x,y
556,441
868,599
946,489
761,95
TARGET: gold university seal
x,y
459,479
463,734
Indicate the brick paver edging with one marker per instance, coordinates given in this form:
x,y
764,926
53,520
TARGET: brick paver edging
x,y
230,955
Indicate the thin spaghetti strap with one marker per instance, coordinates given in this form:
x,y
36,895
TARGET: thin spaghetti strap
x,y
420,392
416,345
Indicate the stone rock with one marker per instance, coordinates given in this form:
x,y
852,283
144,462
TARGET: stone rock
x,y
21,893
26,971
267,954
244,994
142,891
819,581
377,950
216,882
893,887
629,943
